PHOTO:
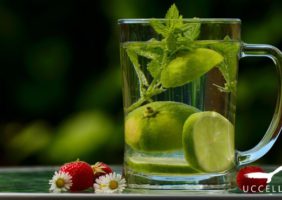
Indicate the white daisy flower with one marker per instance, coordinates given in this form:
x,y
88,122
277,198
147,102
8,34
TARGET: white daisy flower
x,y
60,182
109,183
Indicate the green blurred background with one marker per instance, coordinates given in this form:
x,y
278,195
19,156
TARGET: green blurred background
x,y
60,87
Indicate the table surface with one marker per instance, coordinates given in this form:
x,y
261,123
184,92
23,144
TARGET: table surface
x,y
32,183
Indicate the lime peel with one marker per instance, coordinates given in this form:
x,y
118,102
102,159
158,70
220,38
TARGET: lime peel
x,y
157,126
189,66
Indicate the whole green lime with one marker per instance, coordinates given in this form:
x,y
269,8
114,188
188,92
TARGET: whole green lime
x,y
157,126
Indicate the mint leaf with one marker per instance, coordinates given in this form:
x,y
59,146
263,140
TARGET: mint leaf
x,y
154,68
171,42
230,50
172,12
143,83
159,27
173,19
147,52
191,31
151,49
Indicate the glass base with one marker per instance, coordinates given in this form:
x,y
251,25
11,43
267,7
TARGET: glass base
x,y
200,182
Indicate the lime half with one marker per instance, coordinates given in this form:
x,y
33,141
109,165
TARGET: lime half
x,y
190,66
159,165
208,142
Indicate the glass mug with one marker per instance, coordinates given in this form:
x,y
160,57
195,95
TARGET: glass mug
x,y
179,96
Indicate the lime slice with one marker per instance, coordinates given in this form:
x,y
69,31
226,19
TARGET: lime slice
x,y
208,142
186,68
159,165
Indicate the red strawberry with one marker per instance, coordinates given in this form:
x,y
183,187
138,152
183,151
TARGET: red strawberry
x,y
100,169
81,173
250,185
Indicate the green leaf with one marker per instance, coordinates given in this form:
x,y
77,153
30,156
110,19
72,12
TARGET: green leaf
x,y
149,52
172,12
159,27
173,18
151,49
171,42
154,68
191,30
142,78
230,50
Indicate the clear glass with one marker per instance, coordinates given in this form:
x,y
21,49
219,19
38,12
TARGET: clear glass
x,y
168,79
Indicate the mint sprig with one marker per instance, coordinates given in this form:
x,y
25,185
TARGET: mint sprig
x,y
176,36
177,39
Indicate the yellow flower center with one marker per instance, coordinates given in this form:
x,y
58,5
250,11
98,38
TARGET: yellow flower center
x,y
113,184
60,183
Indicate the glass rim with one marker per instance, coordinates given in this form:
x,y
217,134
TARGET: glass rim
x,y
202,20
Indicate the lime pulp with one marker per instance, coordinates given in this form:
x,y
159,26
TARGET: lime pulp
x,y
208,142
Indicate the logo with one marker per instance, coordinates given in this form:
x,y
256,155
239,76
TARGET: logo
x,y
254,179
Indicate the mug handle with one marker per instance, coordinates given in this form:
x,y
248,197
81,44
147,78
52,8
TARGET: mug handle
x,y
275,127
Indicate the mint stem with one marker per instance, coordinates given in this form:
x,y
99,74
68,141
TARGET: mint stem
x,y
143,83
138,103
146,92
